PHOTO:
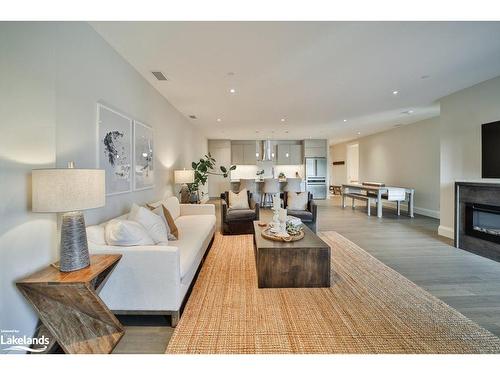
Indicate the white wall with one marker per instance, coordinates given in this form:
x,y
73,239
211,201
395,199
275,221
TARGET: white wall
x,y
338,173
221,152
462,114
405,156
52,76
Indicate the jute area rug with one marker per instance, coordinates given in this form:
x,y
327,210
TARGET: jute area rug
x,y
369,308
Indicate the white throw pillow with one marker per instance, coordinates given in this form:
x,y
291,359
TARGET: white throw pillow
x,y
154,224
297,201
159,211
95,234
173,206
239,201
126,233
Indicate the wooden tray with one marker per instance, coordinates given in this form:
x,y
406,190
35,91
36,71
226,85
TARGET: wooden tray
x,y
269,236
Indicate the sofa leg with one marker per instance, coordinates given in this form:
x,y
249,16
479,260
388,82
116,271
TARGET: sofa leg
x,y
175,318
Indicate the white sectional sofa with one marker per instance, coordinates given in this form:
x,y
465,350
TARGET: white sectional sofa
x,y
155,279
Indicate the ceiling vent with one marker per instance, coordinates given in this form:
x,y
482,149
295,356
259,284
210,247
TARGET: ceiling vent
x,y
160,76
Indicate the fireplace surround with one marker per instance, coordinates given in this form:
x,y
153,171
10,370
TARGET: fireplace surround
x,y
477,218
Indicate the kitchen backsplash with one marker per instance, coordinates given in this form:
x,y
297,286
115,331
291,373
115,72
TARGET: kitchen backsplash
x,y
250,171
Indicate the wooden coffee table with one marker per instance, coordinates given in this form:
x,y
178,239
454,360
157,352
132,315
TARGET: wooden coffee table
x,y
300,264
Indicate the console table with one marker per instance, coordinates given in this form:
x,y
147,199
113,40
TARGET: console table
x,y
71,312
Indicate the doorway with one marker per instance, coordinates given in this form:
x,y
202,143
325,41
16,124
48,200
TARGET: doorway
x,y
353,163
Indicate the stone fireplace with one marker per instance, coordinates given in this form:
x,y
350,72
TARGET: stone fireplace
x,y
477,218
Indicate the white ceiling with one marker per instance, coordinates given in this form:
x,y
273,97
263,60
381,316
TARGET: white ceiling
x,y
313,74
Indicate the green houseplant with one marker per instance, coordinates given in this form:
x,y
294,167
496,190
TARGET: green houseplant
x,y
202,169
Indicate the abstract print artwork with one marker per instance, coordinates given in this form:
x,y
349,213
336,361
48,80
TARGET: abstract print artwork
x,y
143,156
115,150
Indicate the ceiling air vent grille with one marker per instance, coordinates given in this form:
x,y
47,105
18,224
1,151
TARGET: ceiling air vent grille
x,y
160,76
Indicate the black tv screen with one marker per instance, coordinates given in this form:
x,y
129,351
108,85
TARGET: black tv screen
x,y
490,134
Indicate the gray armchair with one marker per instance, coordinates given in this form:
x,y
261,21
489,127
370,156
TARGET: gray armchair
x,y
238,221
307,216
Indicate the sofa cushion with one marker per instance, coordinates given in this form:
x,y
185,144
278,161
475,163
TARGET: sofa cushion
x,y
236,214
305,216
193,232
172,204
126,233
154,224
95,234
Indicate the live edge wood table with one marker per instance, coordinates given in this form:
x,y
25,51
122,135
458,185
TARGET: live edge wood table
x,y
300,264
71,312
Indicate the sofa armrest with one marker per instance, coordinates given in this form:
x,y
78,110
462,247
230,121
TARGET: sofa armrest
x,y
145,278
223,210
314,210
197,209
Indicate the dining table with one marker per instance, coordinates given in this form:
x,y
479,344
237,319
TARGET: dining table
x,y
380,192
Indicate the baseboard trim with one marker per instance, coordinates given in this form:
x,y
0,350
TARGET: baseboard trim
x,y
418,210
446,231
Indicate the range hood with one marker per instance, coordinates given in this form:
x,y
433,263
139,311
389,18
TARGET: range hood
x,y
267,150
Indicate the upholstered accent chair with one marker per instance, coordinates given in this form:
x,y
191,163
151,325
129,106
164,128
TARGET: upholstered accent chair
x,y
238,221
309,215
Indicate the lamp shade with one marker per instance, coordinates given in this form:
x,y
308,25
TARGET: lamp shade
x,y
68,189
184,176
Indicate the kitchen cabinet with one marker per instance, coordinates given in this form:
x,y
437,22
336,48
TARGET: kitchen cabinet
x,y
237,156
289,154
283,154
249,151
315,148
296,154
243,152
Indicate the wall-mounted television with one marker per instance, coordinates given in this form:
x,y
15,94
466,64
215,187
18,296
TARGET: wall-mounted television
x,y
490,150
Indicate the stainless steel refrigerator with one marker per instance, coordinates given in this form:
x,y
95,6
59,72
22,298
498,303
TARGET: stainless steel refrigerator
x,y
316,177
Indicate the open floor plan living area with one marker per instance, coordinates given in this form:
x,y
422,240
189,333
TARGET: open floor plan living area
x,y
250,187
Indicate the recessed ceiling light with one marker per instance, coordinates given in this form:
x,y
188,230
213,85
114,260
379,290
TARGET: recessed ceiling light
x,y
256,131
283,120
359,133
193,117
395,92
345,120
425,76
410,111
219,120
286,131
232,91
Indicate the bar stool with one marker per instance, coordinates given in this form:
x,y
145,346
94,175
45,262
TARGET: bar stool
x,y
271,187
248,183
293,185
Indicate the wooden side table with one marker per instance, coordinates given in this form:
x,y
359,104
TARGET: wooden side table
x,y
71,312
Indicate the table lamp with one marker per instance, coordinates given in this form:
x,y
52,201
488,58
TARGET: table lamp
x,y
184,177
69,191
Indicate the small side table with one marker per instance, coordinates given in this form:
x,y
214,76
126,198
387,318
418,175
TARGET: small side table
x,y
71,312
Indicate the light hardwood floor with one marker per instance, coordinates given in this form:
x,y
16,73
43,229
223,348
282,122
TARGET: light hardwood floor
x,y
467,282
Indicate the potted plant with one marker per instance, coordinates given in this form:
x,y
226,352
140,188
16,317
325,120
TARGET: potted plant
x,y
202,169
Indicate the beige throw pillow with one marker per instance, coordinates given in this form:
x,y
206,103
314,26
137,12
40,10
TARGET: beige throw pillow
x,y
297,201
239,201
